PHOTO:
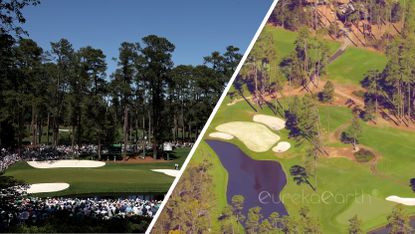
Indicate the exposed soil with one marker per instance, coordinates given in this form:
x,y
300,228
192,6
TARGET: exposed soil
x,y
138,160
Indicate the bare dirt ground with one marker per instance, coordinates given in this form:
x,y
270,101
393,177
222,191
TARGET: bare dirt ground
x,y
138,160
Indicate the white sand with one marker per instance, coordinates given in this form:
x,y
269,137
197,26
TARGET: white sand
x,y
66,163
221,135
255,136
281,147
47,187
401,200
271,121
169,172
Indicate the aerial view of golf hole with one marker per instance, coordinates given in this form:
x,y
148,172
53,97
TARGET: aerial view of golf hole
x,y
321,115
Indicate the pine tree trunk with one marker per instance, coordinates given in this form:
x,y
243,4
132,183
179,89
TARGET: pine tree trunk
x,y
175,126
144,126
78,130
48,129
409,100
125,129
73,138
149,132
40,132
33,125
99,149
19,132
182,123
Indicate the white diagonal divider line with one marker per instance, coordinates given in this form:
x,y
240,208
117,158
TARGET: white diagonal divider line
x,y
212,115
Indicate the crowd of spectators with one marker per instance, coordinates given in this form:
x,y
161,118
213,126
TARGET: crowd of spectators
x,y
36,209
7,159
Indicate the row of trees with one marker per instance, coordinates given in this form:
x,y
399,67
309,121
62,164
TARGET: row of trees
x,y
259,74
232,218
393,87
376,12
308,61
294,14
146,97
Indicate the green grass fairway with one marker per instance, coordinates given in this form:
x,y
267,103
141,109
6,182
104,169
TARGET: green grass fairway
x,y
351,67
113,178
284,41
352,187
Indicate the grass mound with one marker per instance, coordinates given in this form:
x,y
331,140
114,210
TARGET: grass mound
x,y
364,155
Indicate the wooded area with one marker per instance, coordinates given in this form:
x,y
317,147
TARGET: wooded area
x,y
147,97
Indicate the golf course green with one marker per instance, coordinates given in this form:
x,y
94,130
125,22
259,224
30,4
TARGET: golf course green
x,y
112,179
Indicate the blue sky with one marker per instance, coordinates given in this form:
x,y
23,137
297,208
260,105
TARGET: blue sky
x,y
196,27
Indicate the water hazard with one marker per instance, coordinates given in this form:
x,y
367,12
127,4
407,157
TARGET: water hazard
x,y
260,182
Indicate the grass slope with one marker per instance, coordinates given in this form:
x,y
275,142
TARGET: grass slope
x,y
351,67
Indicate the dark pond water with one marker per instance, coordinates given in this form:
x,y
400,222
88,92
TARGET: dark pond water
x,y
260,182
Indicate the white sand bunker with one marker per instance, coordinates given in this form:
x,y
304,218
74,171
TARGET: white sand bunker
x,y
256,137
169,172
66,163
281,147
402,200
271,121
221,135
47,187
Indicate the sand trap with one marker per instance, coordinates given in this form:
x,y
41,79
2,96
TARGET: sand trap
x,y
402,200
221,135
255,136
66,163
169,172
281,147
47,187
271,121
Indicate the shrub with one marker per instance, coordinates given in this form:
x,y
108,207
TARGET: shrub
x,y
366,116
327,94
364,155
